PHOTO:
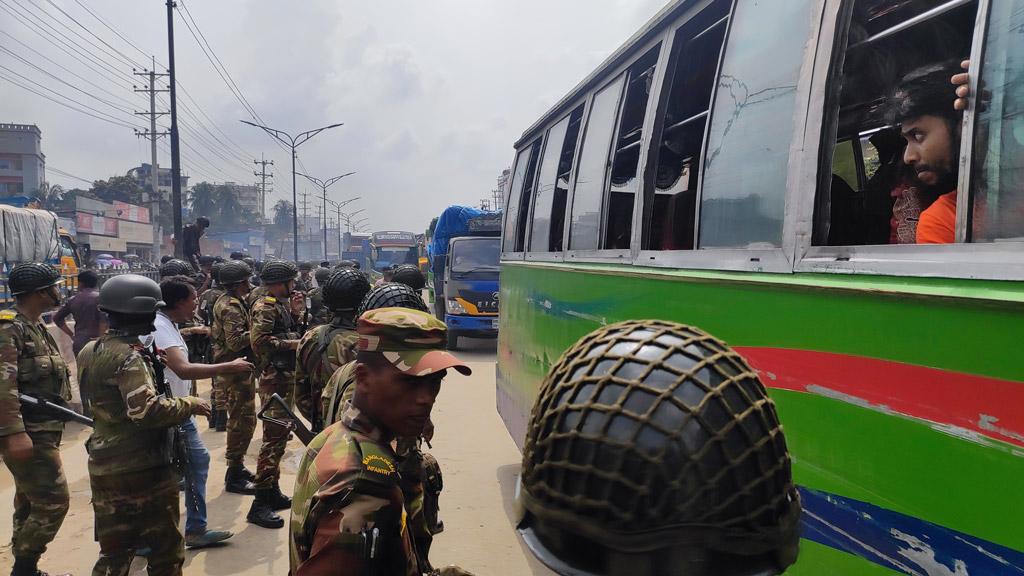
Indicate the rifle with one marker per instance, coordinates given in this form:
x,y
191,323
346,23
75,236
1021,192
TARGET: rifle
x,y
60,412
291,421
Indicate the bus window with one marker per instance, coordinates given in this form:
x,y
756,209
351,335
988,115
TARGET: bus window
x,y
519,198
866,194
695,54
745,168
997,177
626,153
584,229
553,184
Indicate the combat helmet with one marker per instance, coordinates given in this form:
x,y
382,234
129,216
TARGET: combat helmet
x,y
130,294
175,267
391,295
321,275
345,289
409,275
278,271
215,272
31,277
234,272
654,450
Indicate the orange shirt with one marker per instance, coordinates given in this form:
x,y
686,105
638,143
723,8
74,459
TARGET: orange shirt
x,y
938,222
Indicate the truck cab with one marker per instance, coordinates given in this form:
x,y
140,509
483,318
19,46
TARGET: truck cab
x,y
469,288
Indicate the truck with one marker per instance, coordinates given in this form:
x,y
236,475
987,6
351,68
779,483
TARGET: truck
x,y
463,255
393,248
30,235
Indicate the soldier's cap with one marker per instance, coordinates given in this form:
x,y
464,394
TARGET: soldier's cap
x,y
412,340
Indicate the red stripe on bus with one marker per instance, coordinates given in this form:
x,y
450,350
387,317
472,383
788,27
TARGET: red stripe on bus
x,y
988,406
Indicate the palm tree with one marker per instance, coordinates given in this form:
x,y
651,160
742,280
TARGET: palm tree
x,y
49,195
201,199
283,215
228,208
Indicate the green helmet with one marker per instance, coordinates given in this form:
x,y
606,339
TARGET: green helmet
x,y
31,277
278,271
345,289
130,294
321,275
391,295
305,266
175,267
409,275
215,272
653,449
234,272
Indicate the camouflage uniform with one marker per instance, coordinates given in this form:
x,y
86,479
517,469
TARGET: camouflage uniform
x,y
30,363
318,313
350,496
218,396
304,283
321,352
134,486
254,295
230,335
272,324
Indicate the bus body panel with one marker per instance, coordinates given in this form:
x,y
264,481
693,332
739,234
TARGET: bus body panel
x,y
902,399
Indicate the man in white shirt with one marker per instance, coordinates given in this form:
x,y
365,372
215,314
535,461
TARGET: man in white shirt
x,y
180,298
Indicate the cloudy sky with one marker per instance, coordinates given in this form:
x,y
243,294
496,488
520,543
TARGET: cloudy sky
x,y
432,94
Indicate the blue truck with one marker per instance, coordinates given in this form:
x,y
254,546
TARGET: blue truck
x,y
464,251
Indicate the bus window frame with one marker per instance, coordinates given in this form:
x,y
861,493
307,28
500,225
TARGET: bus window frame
x,y
549,256
990,261
513,255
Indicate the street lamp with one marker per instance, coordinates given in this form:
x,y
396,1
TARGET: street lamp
x,y
293,143
338,206
324,185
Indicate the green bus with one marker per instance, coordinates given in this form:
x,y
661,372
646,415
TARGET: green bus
x,y
732,167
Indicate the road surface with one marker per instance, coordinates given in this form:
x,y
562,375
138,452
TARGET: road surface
x,y
478,459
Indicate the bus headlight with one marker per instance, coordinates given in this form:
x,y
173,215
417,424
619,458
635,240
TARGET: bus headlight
x,y
454,307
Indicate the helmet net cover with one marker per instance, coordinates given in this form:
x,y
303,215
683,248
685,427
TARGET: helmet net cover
x,y
31,277
410,276
175,267
392,295
652,434
345,289
321,275
234,272
278,271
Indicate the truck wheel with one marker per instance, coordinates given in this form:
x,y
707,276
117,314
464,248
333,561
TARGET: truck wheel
x,y
453,341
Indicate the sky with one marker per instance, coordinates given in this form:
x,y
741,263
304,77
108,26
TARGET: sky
x,y
432,94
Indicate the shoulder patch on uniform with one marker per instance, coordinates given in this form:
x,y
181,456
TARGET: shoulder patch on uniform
x,y
270,300
7,315
379,464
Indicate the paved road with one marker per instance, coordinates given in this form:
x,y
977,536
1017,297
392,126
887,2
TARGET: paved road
x,y
479,461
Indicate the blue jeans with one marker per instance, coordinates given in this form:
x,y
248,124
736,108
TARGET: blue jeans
x,y
195,479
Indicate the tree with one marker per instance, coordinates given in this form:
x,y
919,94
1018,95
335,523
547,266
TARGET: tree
x,y
50,195
202,200
283,211
118,189
229,212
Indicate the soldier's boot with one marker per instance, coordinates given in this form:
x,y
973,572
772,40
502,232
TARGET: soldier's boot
x,y
247,474
261,514
27,567
236,482
222,421
278,501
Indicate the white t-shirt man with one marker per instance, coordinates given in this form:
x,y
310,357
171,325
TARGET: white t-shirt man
x,y
166,337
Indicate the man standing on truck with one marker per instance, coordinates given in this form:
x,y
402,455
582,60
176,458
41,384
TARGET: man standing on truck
x,y
190,235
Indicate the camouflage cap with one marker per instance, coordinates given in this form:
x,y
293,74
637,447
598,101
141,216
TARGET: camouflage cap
x,y
412,340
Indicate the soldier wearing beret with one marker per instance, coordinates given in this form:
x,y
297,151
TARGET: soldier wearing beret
x,y
349,511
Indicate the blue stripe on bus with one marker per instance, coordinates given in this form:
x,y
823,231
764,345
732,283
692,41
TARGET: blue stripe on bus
x,y
902,543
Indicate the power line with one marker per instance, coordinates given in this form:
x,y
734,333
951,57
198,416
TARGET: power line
x,y
36,92
60,172
94,35
112,29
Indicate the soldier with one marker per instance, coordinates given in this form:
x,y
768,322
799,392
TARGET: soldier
x,y
691,476
318,313
274,338
410,276
304,283
348,497
134,484
175,267
29,439
218,399
326,348
230,335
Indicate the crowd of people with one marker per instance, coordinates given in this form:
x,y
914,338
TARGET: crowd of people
x,y
361,364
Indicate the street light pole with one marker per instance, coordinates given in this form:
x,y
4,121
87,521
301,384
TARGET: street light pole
x,y
324,185
293,143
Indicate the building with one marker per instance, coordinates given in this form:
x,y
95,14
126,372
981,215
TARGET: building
x,y
118,229
22,163
163,178
248,197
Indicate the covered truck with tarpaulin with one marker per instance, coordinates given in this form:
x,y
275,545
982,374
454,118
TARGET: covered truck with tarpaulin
x,y
464,252
27,235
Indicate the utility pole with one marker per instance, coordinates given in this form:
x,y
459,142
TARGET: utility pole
x,y
152,134
175,151
263,163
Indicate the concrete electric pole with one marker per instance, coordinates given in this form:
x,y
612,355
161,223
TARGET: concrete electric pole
x,y
263,163
154,171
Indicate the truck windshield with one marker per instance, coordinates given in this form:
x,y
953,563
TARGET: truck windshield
x,y
476,254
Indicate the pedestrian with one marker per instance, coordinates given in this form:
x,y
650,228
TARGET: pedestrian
x,y
179,306
134,484
324,349
190,236
349,513
230,336
274,336
89,322
31,364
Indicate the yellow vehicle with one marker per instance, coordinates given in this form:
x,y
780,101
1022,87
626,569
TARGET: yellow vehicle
x,y
30,235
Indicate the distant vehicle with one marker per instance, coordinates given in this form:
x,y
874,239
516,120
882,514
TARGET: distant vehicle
x,y
393,249
465,250
29,235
